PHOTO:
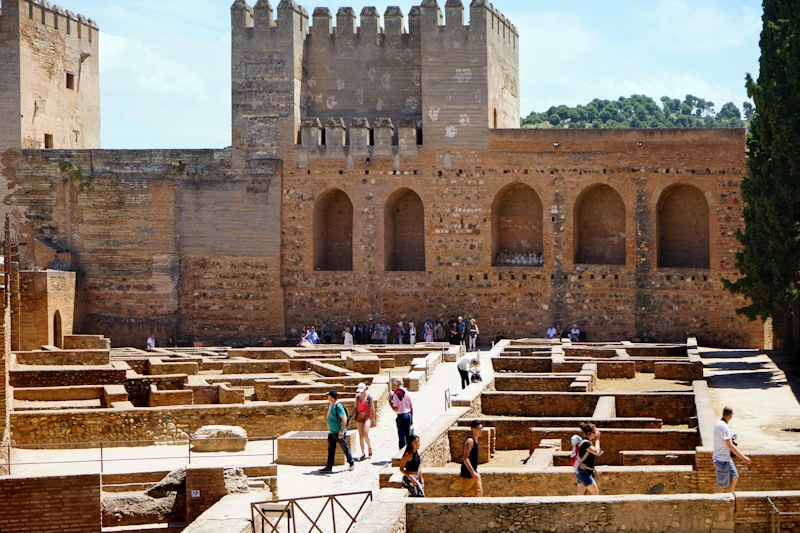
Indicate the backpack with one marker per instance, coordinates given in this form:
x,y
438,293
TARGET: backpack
x,y
346,414
574,459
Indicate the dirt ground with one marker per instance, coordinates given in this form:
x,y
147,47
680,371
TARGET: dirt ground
x,y
641,383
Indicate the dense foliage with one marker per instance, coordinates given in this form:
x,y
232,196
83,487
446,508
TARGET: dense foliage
x,y
640,111
769,260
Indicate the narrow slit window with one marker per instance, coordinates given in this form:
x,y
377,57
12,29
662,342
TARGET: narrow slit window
x,y
48,140
70,81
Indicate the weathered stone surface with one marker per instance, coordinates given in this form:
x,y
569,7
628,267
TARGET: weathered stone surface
x,y
219,439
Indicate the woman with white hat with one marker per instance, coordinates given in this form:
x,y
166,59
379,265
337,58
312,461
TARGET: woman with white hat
x,y
365,409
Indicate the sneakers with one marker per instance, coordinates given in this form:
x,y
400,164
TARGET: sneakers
x,y
352,466
324,471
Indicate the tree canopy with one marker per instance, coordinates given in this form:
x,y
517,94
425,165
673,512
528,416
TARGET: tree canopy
x,y
639,111
769,259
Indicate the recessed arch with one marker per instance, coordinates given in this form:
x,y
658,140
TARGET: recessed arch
x,y
682,224
517,235
333,231
404,231
600,227
58,334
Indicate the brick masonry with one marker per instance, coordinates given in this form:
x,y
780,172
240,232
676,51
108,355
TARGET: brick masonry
x,y
70,504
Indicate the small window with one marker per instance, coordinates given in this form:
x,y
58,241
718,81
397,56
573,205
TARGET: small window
x,y
69,27
79,30
48,140
70,81
90,33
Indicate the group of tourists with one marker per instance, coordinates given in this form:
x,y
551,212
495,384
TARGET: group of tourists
x,y
455,331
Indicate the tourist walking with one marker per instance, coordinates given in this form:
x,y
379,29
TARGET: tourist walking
x,y
348,337
473,334
404,409
427,331
724,451
410,468
412,333
470,478
337,430
438,332
463,365
365,407
588,450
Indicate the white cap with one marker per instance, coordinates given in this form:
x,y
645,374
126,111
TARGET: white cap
x,y
361,387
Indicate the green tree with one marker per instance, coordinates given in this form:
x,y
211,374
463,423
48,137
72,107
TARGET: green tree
x,y
769,259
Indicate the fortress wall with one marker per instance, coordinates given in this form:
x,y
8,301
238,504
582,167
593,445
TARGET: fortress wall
x,y
53,45
11,132
377,74
635,299
159,240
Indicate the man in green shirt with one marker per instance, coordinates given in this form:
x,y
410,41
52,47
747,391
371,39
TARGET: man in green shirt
x,y
337,429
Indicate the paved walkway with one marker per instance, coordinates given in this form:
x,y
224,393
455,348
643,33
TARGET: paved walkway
x,y
763,389
296,481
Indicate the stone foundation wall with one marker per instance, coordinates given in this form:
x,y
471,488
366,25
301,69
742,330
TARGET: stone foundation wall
x,y
69,504
66,377
556,515
139,388
63,357
167,424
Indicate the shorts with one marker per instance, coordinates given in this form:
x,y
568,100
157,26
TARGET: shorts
x,y
471,486
584,477
726,471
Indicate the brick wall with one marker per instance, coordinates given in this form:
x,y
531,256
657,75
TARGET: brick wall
x,y
201,277
632,513
66,377
753,511
70,504
767,472
204,488
171,423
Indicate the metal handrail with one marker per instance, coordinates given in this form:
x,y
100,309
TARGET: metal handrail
x,y
775,516
101,446
289,511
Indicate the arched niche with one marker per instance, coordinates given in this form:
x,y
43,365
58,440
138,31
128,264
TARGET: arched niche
x,y
333,231
517,236
600,227
404,232
682,223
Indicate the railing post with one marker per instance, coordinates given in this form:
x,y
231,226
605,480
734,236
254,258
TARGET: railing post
x,y
101,457
9,456
189,450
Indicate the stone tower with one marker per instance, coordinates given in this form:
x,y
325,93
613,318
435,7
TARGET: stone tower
x,y
351,85
49,82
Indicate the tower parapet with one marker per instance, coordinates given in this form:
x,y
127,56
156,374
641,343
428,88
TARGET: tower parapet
x,y
50,91
437,73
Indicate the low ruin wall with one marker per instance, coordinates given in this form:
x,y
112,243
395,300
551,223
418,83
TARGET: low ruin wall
x,y
58,377
64,503
673,408
63,357
555,515
167,423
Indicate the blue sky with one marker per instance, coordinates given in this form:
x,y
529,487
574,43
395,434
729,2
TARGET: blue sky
x,y
165,65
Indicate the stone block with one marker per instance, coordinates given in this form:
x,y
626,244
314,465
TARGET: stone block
x,y
219,439
310,448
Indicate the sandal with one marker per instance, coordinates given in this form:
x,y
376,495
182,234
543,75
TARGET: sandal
x,y
370,452
362,457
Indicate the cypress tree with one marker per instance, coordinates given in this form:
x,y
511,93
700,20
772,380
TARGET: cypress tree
x,y
769,260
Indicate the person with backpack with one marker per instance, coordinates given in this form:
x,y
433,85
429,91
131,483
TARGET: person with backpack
x,y
337,429
587,451
365,407
471,484
404,409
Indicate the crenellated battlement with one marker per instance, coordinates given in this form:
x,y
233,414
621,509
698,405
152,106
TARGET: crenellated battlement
x,y
453,74
54,16
428,14
358,137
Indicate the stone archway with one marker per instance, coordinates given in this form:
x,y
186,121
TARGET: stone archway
x,y
404,232
682,222
600,227
333,231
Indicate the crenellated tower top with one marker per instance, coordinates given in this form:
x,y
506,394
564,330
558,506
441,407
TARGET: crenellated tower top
x,y
453,78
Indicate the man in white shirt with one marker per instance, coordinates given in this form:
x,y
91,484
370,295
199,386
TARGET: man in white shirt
x,y
723,448
552,332
151,342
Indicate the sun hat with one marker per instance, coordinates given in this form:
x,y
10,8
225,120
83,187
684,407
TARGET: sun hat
x,y
361,387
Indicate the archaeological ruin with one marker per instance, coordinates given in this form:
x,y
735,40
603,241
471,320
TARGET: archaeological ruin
x,y
377,171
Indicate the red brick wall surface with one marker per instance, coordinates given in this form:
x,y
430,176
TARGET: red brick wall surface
x,y
65,504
